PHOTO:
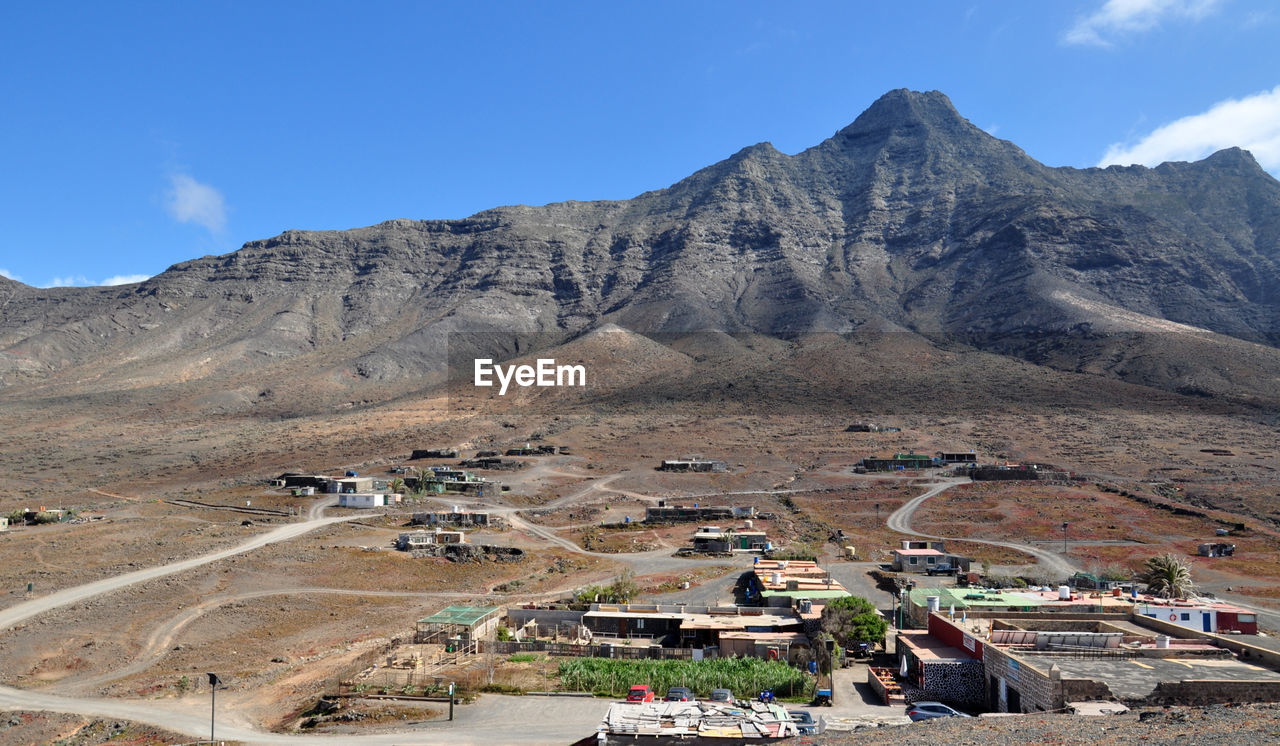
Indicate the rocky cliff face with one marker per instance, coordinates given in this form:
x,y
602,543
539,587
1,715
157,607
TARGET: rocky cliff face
x,y
908,219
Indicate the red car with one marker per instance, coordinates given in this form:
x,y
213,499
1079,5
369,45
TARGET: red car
x,y
640,693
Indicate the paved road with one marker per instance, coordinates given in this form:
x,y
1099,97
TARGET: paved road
x,y
900,521
494,719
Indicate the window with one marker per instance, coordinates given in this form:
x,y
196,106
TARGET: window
x,y
1186,617
639,624
930,560
911,560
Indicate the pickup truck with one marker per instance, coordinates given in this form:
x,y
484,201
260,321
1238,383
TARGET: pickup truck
x,y
942,568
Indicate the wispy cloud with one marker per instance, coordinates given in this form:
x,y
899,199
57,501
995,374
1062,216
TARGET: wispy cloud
x,y
125,279
82,281
6,273
68,281
193,202
1122,17
1252,123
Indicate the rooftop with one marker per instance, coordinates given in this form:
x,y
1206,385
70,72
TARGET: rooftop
x,y
1005,598
1136,678
464,615
724,622
929,648
792,637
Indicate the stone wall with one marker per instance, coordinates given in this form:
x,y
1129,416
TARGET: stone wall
x,y
1213,692
1083,690
958,682
1037,689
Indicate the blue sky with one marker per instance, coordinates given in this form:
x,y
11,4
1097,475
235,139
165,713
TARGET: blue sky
x,y
137,135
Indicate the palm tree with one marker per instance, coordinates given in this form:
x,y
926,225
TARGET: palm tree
x,y
1167,576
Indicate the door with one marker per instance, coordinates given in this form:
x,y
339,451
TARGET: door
x,y
1015,700
1208,622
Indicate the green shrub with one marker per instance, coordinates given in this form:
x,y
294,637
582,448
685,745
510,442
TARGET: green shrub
x,y
744,676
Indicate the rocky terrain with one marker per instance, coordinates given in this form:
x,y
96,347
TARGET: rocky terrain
x,y
910,221
1209,725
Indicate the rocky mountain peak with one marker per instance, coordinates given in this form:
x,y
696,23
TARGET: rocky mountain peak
x,y
910,218
1235,158
904,110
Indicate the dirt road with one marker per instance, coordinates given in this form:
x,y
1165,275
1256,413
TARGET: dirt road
x,y
900,521
21,612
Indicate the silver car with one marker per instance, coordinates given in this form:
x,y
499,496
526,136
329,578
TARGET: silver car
x,y
930,710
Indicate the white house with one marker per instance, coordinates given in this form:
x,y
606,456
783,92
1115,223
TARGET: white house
x,y
362,500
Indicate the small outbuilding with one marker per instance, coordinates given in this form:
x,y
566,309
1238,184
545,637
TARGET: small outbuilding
x,y
460,623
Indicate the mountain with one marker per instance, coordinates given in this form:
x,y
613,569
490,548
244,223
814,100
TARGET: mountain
x,y
910,220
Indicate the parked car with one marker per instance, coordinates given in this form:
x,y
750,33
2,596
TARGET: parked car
x,y
679,694
804,723
721,695
640,693
942,568
930,710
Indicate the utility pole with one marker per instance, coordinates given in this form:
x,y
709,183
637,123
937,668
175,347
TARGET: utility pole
x,y
1064,536
214,683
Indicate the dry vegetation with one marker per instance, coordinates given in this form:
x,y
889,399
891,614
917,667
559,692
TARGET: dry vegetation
x,y
611,474
73,730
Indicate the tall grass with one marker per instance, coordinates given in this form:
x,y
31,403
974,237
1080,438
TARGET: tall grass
x,y
746,677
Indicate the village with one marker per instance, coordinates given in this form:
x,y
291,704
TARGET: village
x,y
752,614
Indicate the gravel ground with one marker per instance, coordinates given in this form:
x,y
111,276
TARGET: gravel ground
x,y
1221,724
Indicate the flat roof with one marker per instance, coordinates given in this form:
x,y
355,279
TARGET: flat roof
x,y
788,636
929,648
725,622
978,598
636,614
837,591
464,615
1136,678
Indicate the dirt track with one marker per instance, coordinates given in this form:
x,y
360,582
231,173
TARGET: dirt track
x,y
900,520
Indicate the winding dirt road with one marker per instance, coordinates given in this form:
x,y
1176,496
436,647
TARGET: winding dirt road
x,y
900,521
18,613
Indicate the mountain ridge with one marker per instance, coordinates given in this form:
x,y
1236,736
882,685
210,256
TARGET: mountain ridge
x,y
910,217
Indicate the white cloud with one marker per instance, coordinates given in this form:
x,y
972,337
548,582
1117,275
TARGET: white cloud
x,y
193,202
10,275
1252,123
1117,17
125,279
71,281
68,281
